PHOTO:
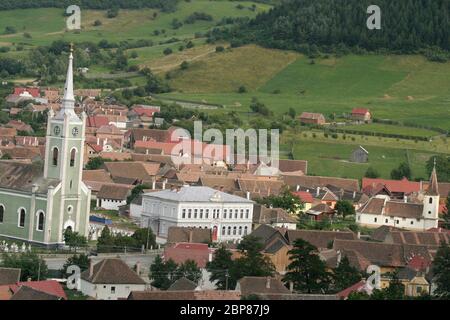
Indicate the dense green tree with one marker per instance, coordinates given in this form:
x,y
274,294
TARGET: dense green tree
x,y
333,25
137,191
285,200
219,268
80,260
446,214
96,163
441,271
252,262
307,271
74,239
31,265
372,173
344,275
344,208
190,270
403,171
144,237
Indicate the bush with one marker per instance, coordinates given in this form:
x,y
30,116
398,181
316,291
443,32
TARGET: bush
x,y
220,49
168,51
242,89
97,23
184,65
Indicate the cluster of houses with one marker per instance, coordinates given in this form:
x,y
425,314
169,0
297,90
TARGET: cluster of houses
x,y
190,206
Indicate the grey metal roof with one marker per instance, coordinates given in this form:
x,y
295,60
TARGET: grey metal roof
x,y
197,194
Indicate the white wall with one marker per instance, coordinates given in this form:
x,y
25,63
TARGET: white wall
x,y
165,214
111,204
103,291
398,222
135,210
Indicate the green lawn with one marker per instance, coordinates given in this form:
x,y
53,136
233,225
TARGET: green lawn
x,y
391,129
332,159
47,25
402,88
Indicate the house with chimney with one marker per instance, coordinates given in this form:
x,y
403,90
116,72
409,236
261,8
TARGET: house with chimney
x,y
111,279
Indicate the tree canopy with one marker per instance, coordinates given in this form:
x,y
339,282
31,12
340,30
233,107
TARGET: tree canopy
x,y
334,25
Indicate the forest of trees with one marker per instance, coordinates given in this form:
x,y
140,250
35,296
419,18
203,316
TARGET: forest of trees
x,y
164,5
331,25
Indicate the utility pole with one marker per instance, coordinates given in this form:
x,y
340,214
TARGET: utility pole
x,y
148,232
226,280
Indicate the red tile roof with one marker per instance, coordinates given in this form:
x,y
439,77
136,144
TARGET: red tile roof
x,y
35,92
51,287
304,196
180,252
97,121
403,186
361,111
149,112
357,287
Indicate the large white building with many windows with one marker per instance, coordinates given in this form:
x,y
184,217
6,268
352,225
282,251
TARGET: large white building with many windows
x,y
228,216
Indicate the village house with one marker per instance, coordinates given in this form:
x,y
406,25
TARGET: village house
x,y
361,115
112,196
228,216
312,118
200,253
396,189
21,95
275,217
111,279
19,126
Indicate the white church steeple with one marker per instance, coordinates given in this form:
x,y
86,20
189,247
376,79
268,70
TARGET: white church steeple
x,y
68,101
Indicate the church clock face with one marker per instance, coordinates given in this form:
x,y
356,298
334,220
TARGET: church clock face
x,y
75,132
57,130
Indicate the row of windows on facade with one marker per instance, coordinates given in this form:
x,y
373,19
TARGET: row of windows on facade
x,y
21,218
73,154
236,231
198,213
396,221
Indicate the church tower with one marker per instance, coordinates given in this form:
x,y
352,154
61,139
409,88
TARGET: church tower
x,y
431,198
64,162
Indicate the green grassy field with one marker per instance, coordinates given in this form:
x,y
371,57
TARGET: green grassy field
x,y
47,25
393,129
402,88
332,159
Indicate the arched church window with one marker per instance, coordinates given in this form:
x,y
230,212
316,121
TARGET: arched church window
x,y
41,220
72,157
431,200
22,214
2,213
55,156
